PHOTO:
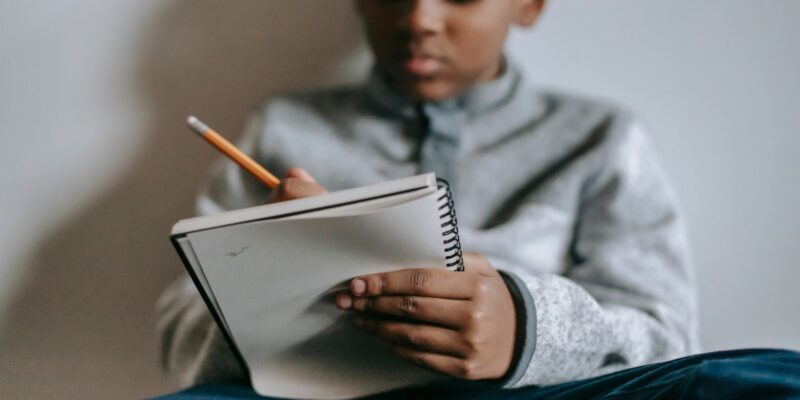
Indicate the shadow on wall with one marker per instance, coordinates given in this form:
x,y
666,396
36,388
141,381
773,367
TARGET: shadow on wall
x,y
83,325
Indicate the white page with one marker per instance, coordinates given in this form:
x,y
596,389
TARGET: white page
x,y
285,208
348,210
367,207
268,278
191,257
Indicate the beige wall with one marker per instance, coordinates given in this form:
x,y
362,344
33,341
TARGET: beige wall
x,y
96,164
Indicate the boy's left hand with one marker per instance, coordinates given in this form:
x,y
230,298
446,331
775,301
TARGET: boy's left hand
x,y
458,323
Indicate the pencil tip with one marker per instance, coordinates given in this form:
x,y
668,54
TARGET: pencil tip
x,y
197,125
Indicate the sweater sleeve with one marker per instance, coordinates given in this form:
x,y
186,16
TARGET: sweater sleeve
x,y
627,297
193,350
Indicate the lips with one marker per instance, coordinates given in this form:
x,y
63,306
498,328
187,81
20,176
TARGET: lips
x,y
420,63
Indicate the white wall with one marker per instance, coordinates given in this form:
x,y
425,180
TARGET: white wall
x,y
96,165
717,82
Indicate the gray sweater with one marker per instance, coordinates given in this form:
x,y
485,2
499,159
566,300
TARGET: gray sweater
x,y
561,193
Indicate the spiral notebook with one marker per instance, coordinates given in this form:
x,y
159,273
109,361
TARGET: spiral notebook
x,y
269,274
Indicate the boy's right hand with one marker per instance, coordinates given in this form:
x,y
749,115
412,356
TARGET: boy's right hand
x,y
297,184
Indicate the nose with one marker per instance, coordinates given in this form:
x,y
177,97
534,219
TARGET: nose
x,y
424,17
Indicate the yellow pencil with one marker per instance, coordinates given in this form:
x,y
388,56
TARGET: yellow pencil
x,y
216,140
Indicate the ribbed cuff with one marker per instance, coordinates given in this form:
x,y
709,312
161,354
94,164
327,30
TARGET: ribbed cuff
x,y
525,333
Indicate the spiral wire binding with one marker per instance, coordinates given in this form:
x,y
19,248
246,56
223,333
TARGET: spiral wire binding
x,y
453,255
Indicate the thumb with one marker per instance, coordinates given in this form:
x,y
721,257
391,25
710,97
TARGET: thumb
x,y
299,173
476,262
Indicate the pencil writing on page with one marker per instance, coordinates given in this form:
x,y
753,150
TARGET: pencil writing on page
x,y
224,146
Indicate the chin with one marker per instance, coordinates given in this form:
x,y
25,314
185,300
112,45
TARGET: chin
x,y
430,90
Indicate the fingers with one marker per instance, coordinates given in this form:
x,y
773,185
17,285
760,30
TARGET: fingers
x,y
458,323
426,338
478,263
297,184
295,188
419,281
446,364
446,312
299,173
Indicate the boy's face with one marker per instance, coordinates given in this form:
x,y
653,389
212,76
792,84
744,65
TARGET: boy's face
x,y
435,49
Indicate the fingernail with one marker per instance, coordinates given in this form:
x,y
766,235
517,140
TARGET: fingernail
x,y
359,286
344,302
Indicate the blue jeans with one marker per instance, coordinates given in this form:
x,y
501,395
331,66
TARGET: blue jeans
x,y
736,374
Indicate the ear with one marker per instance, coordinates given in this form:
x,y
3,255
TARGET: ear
x,y
528,11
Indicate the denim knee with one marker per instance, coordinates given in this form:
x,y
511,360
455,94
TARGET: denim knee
x,y
757,373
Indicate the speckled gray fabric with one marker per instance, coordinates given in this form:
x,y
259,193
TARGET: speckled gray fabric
x,y
560,192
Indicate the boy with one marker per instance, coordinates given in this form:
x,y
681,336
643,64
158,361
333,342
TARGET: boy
x,y
578,264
